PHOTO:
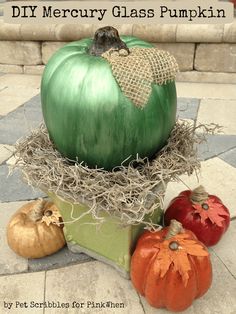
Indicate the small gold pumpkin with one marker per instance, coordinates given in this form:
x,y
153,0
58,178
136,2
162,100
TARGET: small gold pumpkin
x,y
35,230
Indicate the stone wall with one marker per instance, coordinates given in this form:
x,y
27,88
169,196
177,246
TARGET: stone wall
x,y
204,52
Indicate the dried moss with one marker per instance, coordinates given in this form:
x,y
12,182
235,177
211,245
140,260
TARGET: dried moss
x,y
128,192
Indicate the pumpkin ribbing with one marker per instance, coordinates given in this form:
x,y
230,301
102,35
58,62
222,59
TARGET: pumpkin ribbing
x,y
171,272
200,212
89,118
29,236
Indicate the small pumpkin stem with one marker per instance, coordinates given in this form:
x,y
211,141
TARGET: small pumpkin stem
x,y
174,229
37,210
106,38
199,195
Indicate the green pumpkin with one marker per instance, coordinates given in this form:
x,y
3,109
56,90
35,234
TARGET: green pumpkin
x,y
88,117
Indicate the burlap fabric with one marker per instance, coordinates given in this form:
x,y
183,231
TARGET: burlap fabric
x,y
137,71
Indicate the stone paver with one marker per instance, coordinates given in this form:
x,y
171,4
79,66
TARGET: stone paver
x,y
35,33
218,145
206,77
79,287
17,89
219,112
187,108
49,48
217,176
13,97
230,32
11,68
24,119
199,33
226,251
183,53
22,288
22,80
229,157
60,259
5,152
9,261
11,161
71,32
34,69
206,90
155,33
219,299
20,52
91,282
215,57
14,189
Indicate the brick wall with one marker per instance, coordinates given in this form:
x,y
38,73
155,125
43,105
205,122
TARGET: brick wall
x,y
204,52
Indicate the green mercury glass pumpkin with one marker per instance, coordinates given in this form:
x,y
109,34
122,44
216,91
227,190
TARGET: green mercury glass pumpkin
x,y
89,118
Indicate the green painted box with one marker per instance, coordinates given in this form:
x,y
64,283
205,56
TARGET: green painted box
x,y
109,241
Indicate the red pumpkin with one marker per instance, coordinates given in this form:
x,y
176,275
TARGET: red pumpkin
x,y
201,213
171,268
234,3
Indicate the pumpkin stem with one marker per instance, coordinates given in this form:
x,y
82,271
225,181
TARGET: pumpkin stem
x,y
199,195
106,38
174,229
36,213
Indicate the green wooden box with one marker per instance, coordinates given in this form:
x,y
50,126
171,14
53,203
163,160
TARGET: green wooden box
x,y
108,242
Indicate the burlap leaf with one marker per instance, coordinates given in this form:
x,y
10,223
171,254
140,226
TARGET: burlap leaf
x,y
136,72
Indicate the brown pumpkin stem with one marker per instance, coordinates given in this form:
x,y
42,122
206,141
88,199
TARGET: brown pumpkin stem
x,y
174,229
106,38
199,195
37,211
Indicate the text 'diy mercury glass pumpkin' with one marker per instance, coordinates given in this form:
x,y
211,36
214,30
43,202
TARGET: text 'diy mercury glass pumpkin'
x,y
88,116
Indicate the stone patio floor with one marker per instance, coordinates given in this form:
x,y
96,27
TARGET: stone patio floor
x,y
68,277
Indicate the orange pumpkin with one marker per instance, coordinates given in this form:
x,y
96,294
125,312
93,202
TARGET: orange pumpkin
x,y
35,230
171,267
